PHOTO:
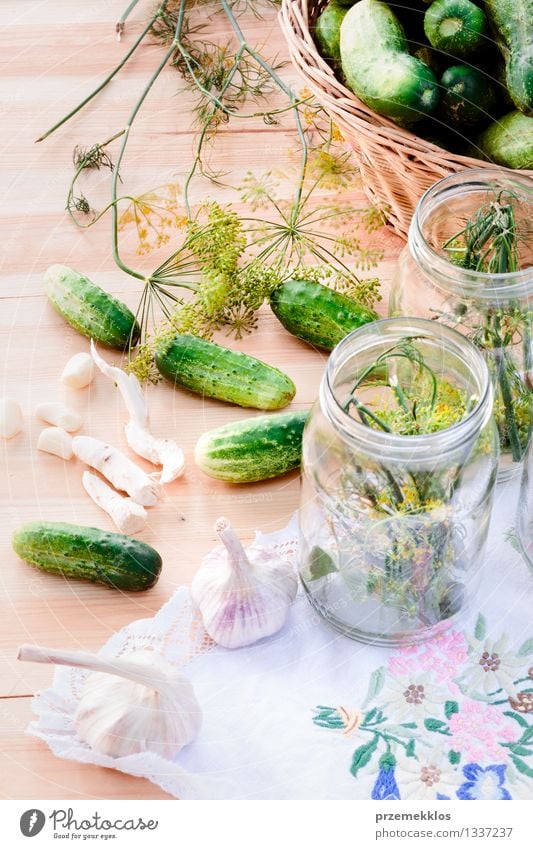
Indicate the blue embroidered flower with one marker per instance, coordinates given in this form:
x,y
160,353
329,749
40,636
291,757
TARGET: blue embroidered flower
x,y
483,783
386,787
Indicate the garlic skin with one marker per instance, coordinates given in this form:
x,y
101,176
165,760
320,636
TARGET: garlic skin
x,y
119,470
132,704
58,414
79,371
55,440
243,595
160,452
10,418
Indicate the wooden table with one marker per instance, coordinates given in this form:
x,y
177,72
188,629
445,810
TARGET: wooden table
x,y
53,53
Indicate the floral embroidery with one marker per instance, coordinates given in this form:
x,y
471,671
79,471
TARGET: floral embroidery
x,y
486,784
447,719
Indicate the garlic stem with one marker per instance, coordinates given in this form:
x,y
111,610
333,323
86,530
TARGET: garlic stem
x,y
236,552
151,678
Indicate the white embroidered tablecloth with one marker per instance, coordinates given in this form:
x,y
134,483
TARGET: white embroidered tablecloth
x,y
310,714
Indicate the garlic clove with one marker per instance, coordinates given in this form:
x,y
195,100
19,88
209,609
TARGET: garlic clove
x,y
58,414
119,470
243,595
132,704
10,418
129,517
79,371
55,440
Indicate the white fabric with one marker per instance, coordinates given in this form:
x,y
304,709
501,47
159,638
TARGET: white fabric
x,y
258,740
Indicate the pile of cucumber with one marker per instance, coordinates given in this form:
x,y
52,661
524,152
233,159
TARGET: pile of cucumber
x,y
461,70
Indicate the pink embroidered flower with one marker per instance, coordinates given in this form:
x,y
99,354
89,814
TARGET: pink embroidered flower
x,y
443,655
478,729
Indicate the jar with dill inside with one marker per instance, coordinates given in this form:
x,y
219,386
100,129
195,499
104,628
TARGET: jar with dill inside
x,y
469,264
399,464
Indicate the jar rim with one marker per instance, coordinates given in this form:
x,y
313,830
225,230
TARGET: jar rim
x,y
430,444
480,285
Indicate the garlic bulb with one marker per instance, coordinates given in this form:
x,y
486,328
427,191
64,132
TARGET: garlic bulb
x,y
137,703
243,595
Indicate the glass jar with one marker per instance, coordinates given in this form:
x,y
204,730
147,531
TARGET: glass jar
x,y
525,509
393,527
436,278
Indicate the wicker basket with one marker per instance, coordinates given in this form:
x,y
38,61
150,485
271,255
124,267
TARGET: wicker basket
x,y
396,166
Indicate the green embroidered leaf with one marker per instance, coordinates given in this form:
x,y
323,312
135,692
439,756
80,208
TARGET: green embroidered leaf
x,y
522,767
375,685
387,761
400,731
450,708
436,725
520,719
408,725
363,754
516,749
410,749
481,627
454,757
526,648
370,715
527,735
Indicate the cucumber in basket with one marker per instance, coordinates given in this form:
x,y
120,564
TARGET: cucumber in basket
x,y
328,30
76,551
508,141
217,372
512,22
254,449
89,309
457,27
317,314
379,68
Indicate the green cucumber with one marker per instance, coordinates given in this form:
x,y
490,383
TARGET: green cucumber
x,y
378,67
317,314
89,553
254,449
216,372
512,22
509,141
328,30
89,309
457,27
468,97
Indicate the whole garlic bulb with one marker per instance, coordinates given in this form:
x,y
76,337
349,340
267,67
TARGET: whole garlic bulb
x,y
243,595
128,705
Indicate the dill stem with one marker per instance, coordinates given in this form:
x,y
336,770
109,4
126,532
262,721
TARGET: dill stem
x,y
109,77
122,20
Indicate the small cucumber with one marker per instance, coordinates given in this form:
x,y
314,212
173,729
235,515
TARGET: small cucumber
x,y
328,30
378,67
468,97
89,553
89,309
509,141
512,22
254,449
216,372
457,27
317,314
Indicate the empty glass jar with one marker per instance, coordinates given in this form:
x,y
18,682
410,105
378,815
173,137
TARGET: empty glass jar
x,y
393,526
469,264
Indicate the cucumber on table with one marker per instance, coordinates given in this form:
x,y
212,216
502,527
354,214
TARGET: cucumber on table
x,y
89,309
254,449
512,22
379,68
317,314
76,551
217,372
509,141
328,30
457,27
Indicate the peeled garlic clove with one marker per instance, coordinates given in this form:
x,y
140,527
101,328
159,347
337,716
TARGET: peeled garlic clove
x,y
243,595
135,703
79,371
129,517
55,440
58,414
10,417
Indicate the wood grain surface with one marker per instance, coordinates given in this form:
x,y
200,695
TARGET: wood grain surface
x,y
53,53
